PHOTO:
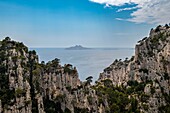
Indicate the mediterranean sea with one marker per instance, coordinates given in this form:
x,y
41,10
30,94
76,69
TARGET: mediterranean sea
x,y
90,62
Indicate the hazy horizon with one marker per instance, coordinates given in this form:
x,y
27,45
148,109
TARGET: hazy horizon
x,y
88,62
86,47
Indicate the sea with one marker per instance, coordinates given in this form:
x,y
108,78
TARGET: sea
x,y
89,62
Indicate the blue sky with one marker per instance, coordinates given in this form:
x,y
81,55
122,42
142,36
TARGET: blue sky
x,y
64,23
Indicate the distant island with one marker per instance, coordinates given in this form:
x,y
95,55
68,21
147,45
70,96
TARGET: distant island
x,y
77,47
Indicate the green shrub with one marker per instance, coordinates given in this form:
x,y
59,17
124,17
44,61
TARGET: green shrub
x,y
145,107
134,105
19,92
68,88
90,100
144,98
158,28
132,83
27,102
166,76
67,111
80,110
152,90
107,82
144,70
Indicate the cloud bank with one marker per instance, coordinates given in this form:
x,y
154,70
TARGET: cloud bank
x,y
147,11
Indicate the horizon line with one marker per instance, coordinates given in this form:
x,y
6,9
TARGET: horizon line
x,y
87,47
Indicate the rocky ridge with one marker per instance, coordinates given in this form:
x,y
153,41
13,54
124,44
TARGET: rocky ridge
x,y
140,84
150,66
29,86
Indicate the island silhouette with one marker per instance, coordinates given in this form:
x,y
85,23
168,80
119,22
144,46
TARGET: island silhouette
x,y
77,47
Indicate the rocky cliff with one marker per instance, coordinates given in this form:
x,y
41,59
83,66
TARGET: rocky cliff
x,y
149,69
139,84
29,86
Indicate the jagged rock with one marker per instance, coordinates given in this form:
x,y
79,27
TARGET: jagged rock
x,y
151,63
141,84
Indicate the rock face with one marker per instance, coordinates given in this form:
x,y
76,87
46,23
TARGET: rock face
x,y
29,86
140,84
150,65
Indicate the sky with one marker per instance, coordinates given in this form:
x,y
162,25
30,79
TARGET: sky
x,y
91,23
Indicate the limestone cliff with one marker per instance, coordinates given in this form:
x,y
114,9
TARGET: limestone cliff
x,y
150,66
140,84
28,86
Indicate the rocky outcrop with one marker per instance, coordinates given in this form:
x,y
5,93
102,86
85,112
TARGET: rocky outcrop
x,y
150,63
29,86
139,84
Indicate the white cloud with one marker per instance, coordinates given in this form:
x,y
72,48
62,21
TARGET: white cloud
x,y
107,6
147,11
119,2
119,19
126,9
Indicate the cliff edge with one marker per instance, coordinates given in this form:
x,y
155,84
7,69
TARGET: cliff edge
x,y
139,84
147,74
